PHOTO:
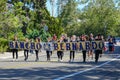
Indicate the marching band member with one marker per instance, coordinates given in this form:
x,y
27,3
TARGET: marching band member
x,y
31,51
49,48
15,51
90,52
102,38
65,38
26,50
72,52
37,51
98,51
59,51
84,51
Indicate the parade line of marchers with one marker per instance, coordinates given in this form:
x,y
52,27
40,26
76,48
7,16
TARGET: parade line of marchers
x,y
83,45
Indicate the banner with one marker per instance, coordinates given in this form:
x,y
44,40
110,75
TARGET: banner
x,y
50,46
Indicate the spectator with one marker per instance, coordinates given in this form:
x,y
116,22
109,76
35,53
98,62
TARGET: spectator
x,y
54,37
111,45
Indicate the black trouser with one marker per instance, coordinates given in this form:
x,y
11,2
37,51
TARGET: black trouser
x,y
31,51
97,52
15,51
48,54
84,55
36,52
26,54
72,55
60,54
51,52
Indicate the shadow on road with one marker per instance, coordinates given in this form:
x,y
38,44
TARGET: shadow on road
x,y
51,73
109,71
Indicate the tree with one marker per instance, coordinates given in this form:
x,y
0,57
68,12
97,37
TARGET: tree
x,y
33,12
69,15
100,16
60,5
55,26
9,22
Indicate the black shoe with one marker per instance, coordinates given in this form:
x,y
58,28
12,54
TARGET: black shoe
x,y
25,59
84,61
96,61
36,60
48,59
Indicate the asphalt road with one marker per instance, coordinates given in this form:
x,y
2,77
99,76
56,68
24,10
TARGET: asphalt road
x,y
107,68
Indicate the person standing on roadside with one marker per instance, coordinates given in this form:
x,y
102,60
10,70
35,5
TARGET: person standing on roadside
x,y
111,45
54,37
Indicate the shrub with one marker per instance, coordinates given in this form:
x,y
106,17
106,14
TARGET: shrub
x,y
3,45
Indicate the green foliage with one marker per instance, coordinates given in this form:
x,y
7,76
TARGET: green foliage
x,y
32,34
4,45
2,6
55,26
70,18
69,13
100,19
98,16
42,34
11,20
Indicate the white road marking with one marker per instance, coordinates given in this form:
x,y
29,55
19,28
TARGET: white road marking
x,y
66,76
